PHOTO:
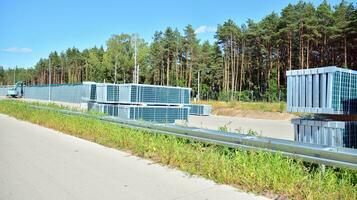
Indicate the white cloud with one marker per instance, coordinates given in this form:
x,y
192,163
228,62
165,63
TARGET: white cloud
x,y
18,50
205,29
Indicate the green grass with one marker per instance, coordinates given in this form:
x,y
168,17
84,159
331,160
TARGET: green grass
x,y
258,172
256,106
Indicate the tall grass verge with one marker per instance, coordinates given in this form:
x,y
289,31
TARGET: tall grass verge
x,y
258,172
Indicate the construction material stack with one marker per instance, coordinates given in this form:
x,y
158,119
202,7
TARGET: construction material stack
x,y
329,94
159,104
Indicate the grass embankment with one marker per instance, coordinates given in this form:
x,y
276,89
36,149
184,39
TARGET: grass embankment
x,y
251,171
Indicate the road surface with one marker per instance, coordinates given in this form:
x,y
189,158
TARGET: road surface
x,y
40,163
282,129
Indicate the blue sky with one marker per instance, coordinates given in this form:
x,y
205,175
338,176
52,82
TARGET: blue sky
x,y
30,30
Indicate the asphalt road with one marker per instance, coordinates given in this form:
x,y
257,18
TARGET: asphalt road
x,y
39,163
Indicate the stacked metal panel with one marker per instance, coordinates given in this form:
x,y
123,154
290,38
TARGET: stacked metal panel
x,y
326,132
152,103
157,114
200,109
71,93
136,94
326,90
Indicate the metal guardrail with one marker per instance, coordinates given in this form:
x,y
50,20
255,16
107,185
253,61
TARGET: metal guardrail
x,y
320,154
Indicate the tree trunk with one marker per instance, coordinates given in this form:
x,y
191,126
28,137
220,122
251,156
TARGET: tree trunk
x,y
258,74
62,71
323,55
187,67
345,51
43,77
225,73
241,71
181,69
176,68
236,79
307,53
168,71
68,75
301,52
232,66
290,51
278,72
162,73
270,65
87,70
190,71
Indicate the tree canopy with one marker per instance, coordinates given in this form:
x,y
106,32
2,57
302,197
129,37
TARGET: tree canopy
x,y
246,62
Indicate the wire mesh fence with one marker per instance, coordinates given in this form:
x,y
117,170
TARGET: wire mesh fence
x,y
70,93
4,89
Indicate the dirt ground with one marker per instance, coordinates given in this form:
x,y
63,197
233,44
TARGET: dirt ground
x,y
252,114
